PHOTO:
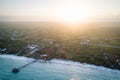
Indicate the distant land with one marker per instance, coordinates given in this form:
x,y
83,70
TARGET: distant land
x,y
93,43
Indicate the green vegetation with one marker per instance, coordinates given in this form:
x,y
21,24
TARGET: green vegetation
x,y
92,44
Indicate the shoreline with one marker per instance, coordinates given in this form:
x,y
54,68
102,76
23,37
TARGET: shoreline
x,y
59,61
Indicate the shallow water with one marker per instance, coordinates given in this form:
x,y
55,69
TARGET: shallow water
x,y
53,70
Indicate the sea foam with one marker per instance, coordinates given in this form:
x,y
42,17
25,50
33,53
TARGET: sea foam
x,y
15,57
84,65
59,61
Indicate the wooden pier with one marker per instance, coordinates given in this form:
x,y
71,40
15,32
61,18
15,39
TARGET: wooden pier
x,y
16,70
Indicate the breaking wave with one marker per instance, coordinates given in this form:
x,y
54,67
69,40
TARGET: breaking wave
x,y
15,57
85,65
59,61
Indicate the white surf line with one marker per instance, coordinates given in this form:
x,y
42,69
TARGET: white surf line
x,y
57,61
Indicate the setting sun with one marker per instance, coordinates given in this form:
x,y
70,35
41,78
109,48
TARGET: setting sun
x,y
73,13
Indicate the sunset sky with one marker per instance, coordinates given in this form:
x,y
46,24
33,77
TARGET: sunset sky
x,y
59,10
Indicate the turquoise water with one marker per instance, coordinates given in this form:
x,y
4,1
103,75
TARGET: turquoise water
x,y
53,70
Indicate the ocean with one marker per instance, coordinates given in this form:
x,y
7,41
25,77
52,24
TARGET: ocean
x,y
54,69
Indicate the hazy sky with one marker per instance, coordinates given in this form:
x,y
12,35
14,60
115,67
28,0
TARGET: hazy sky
x,y
50,9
